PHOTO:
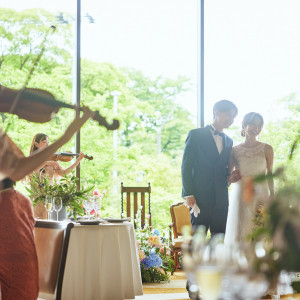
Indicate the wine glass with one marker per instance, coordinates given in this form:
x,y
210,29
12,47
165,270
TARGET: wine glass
x,y
88,206
209,279
210,269
48,205
57,205
97,201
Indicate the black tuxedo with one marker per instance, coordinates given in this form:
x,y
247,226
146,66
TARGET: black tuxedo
x,y
204,174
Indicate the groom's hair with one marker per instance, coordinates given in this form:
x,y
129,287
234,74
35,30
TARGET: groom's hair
x,y
225,106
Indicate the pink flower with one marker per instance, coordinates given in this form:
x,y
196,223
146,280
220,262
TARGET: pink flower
x,y
104,192
168,250
96,192
141,255
148,216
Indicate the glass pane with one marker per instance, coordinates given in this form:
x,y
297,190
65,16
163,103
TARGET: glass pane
x,y
252,57
139,58
36,55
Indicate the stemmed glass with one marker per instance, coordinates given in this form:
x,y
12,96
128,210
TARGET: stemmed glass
x,y
57,205
88,206
97,201
48,205
209,270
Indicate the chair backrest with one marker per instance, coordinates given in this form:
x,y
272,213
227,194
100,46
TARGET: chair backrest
x,y
180,215
135,190
52,242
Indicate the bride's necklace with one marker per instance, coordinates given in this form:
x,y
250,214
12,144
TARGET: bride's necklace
x,y
251,144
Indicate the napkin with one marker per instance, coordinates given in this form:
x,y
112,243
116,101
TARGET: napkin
x,y
195,209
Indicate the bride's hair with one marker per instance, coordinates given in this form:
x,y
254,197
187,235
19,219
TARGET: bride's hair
x,y
249,119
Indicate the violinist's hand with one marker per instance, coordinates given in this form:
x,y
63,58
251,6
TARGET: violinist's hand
x,y
77,123
81,156
87,113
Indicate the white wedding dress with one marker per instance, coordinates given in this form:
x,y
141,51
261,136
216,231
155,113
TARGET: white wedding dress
x,y
251,162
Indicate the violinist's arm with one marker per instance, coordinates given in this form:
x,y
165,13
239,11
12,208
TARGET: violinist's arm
x,y
26,165
67,171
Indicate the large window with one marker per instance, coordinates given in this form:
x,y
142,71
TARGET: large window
x,y
139,65
252,57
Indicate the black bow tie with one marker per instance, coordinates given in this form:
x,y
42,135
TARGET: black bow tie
x,y
222,134
216,132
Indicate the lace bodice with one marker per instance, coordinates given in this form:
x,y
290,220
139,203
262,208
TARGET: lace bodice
x,y
250,161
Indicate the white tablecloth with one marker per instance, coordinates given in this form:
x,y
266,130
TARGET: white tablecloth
x,y
102,263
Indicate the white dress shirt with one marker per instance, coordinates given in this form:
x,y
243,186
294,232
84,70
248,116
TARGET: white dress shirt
x,y
218,139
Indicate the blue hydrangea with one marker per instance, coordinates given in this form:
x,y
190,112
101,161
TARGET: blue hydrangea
x,y
156,232
153,260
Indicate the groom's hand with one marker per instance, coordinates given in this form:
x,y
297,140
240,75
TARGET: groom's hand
x,y
190,201
234,176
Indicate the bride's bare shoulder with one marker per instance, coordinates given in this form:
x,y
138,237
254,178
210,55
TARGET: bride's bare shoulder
x,y
268,148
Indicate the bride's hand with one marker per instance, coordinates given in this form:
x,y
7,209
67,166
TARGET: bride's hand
x,y
234,176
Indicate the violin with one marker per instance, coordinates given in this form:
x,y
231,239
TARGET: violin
x,y
39,106
67,156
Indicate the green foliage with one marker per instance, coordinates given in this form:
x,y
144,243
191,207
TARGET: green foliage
x,y
39,187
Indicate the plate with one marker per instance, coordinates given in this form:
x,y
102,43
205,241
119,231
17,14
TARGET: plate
x,y
114,220
89,222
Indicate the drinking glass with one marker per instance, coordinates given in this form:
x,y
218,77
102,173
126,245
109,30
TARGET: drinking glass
x,y
209,270
209,279
97,201
57,205
48,205
88,206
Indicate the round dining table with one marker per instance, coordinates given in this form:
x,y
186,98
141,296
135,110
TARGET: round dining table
x,y
102,263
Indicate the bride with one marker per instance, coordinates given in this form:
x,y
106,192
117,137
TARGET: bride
x,y
252,158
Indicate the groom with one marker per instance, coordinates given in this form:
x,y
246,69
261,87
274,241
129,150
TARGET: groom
x,y
205,173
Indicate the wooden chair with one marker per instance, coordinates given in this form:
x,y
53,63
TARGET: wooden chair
x,y
51,241
136,191
180,215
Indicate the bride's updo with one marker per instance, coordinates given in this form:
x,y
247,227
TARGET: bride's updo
x,y
249,119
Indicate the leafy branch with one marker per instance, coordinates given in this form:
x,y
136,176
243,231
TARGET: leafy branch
x,y
39,187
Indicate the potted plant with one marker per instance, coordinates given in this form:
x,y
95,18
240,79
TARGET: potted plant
x,y
39,187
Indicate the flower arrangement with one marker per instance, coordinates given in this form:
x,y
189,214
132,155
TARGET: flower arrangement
x,y
39,187
98,198
154,253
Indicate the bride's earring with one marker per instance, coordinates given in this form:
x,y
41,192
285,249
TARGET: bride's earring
x,y
243,132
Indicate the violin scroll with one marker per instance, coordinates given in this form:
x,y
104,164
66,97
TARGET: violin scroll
x,y
102,121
